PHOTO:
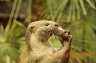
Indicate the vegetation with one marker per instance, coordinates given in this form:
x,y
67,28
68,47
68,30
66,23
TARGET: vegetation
x,y
10,42
79,16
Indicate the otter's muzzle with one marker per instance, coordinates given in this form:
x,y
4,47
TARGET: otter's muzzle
x,y
59,31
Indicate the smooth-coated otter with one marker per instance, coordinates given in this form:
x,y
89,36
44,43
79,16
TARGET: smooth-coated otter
x,y
39,49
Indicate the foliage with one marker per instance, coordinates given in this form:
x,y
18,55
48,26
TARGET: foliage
x,y
70,9
10,42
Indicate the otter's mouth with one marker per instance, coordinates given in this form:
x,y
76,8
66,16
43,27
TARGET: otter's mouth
x,y
59,31
49,33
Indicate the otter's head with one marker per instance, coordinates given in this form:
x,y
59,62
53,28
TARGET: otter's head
x,y
42,30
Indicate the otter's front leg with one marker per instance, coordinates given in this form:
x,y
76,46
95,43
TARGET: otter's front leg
x,y
64,52
66,39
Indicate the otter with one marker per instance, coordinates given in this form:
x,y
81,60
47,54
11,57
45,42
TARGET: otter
x,y
42,51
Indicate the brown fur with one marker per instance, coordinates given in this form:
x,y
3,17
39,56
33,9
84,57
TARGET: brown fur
x,y
40,50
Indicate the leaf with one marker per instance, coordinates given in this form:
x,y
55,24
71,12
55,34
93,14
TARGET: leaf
x,y
77,9
69,13
61,8
83,7
11,16
49,3
1,27
91,4
73,12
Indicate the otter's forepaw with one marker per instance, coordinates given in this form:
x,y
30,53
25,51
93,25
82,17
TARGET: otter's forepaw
x,y
66,36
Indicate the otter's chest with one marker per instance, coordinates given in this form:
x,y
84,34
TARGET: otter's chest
x,y
40,53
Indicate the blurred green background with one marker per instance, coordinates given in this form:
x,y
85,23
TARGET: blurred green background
x,y
79,16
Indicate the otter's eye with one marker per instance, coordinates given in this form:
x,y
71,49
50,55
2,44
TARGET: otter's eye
x,y
46,24
56,25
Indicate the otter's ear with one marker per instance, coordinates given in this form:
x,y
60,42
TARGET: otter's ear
x,y
28,33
